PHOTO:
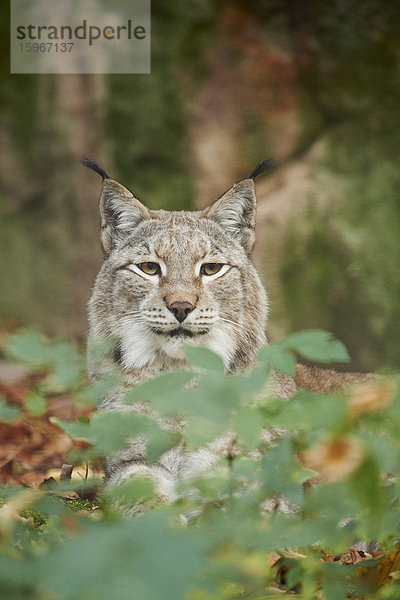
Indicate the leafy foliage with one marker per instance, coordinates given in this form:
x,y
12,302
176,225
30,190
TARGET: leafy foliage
x,y
257,524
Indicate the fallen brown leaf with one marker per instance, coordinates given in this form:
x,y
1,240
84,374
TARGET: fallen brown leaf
x,y
381,573
335,458
366,399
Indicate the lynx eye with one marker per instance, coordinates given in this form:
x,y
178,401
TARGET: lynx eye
x,y
210,268
150,268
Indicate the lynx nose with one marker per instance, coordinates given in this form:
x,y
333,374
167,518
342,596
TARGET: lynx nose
x,y
180,309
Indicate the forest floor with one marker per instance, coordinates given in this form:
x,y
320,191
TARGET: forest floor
x,y
34,449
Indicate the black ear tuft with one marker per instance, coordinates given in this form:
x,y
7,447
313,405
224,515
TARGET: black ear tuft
x,y
88,162
264,165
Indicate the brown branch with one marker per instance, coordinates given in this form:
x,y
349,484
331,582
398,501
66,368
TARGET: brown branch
x,y
13,454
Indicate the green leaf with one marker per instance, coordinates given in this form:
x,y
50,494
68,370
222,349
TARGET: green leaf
x,y
278,358
334,590
84,419
317,345
132,491
304,474
110,431
385,450
77,431
247,423
334,581
8,412
246,468
366,487
36,404
199,432
64,376
141,558
205,359
215,484
28,346
97,391
166,392
294,574
280,471
330,500
308,584
310,410
158,442
209,409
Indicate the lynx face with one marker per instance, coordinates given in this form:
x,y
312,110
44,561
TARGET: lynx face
x,y
175,278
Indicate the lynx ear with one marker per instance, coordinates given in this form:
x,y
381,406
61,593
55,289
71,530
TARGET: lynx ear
x,y
235,212
120,212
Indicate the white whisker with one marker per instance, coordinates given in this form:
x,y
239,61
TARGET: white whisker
x,y
237,326
133,313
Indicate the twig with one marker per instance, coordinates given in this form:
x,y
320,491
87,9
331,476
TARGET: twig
x,y
66,471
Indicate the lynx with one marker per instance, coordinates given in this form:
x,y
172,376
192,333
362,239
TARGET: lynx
x,y
175,278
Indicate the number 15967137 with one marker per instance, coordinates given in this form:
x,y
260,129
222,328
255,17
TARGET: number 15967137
x,y
46,47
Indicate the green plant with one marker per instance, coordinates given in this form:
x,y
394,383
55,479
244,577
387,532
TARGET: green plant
x,y
228,546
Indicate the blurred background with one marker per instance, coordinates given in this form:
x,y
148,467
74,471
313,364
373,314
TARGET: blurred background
x,y
314,84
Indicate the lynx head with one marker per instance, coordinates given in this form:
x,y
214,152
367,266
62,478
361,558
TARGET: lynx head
x,y
175,278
